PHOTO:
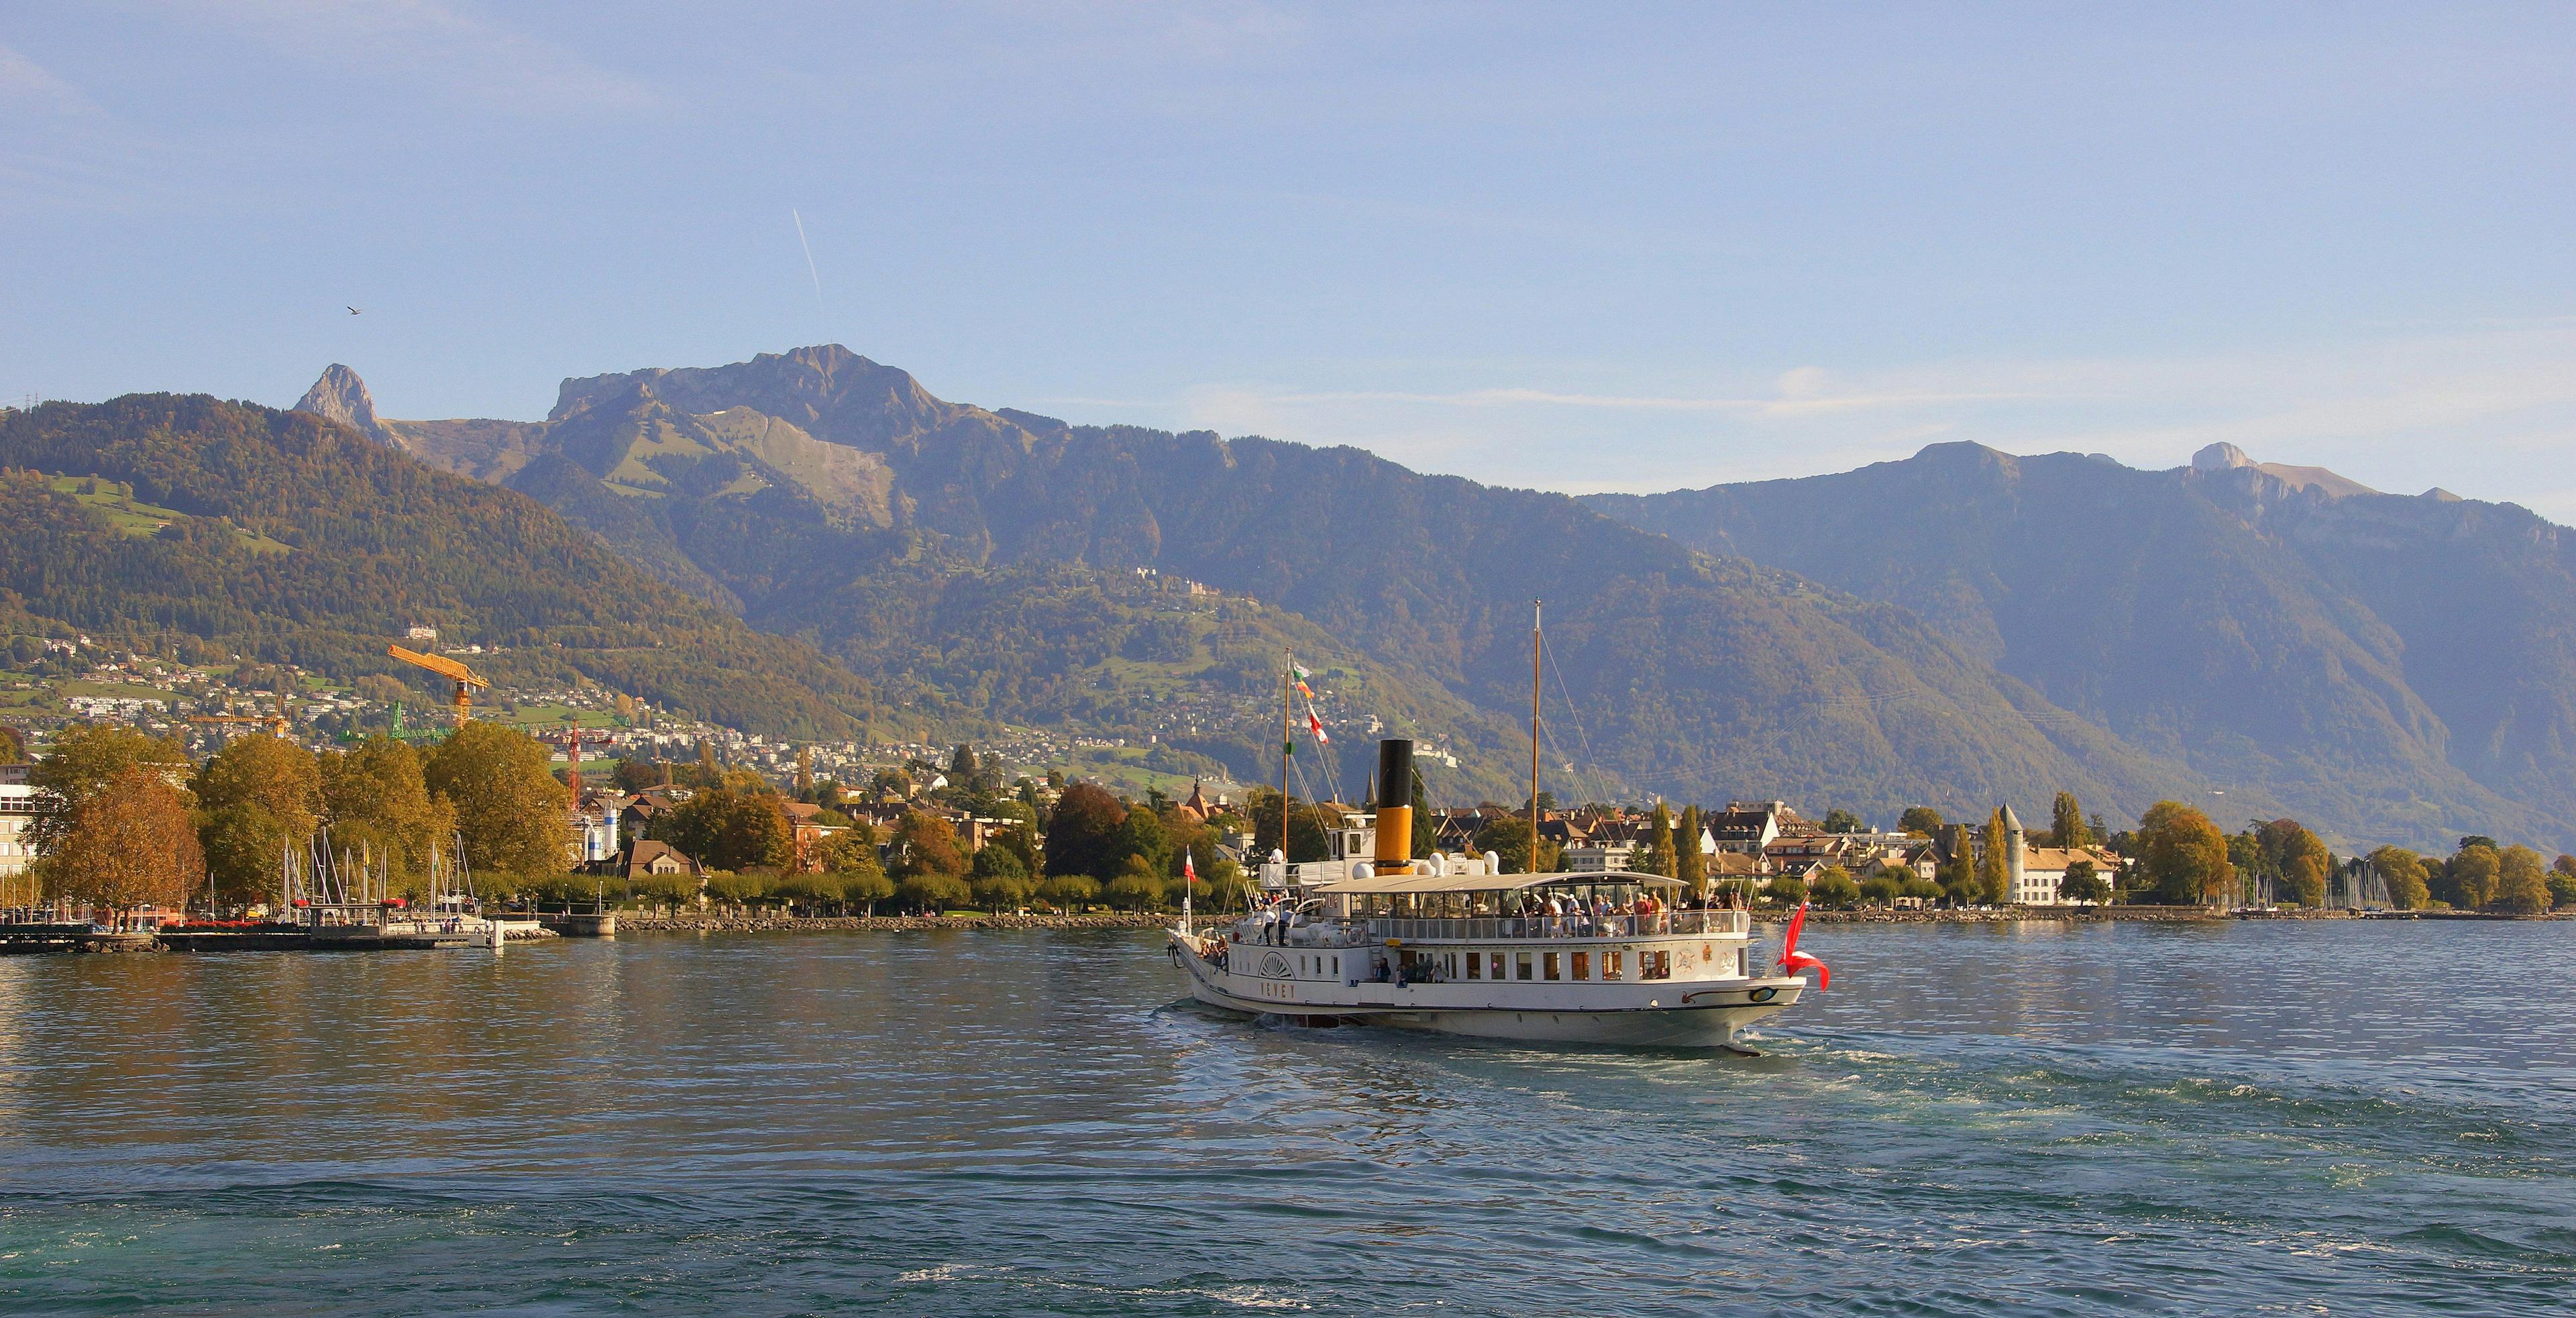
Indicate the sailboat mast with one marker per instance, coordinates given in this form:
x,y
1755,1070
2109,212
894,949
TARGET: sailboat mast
x,y
1287,747
1535,616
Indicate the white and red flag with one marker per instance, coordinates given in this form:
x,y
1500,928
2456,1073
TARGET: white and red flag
x,y
1793,960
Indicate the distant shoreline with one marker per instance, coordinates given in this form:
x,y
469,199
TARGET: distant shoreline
x,y
630,922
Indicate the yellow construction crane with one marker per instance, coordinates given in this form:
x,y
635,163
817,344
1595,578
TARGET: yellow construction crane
x,y
466,679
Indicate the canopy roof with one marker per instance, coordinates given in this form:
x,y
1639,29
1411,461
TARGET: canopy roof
x,y
1399,884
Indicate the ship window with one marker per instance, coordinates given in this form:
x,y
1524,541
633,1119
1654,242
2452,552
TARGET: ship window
x,y
1498,965
1583,965
1473,965
1551,965
1525,967
1610,964
1337,965
1655,965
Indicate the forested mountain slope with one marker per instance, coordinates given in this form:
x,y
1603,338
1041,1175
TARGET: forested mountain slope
x,y
947,548
300,539
2391,668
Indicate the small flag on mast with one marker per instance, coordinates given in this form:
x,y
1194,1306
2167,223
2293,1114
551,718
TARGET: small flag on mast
x,y
1318,726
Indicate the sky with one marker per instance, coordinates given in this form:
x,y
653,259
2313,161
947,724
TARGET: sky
x,y
1574,247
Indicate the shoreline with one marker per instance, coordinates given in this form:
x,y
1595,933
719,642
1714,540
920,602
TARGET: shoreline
x,y
752,924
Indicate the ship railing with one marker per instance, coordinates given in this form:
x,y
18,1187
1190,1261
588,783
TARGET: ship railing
x,y
1526,927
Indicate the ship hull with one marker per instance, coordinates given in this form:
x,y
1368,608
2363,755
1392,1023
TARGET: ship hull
x,y
1709,1014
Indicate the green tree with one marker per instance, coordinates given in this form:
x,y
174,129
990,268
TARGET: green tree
x,y
2082,883
2066,822
515,817
2473,875
1883,888
1839,820
1833,888
1690,865
13,745
1922,821
2183,856
2522,886
2562,881
1083,832
256,799
1508,836
999,879
730,829
2403,872
1994,862
1656,857
1069,892
1787,889
1136,887
1141,834
375,793
127,842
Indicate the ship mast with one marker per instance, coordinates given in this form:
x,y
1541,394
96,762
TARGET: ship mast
x,y
1535,615
1287,747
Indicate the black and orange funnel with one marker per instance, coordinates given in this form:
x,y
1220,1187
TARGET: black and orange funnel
x,y
1394,804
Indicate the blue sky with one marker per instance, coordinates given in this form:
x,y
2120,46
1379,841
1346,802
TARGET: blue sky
x,y
1575,247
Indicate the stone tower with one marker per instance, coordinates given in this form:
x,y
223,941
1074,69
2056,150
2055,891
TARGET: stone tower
x,y
2015,853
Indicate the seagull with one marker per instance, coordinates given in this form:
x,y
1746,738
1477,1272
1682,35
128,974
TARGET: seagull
x,y
353,310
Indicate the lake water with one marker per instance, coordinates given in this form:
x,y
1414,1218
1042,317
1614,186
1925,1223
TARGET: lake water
x,y
2309,1117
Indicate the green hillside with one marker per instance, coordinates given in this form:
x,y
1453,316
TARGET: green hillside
x,y
972,559
288,538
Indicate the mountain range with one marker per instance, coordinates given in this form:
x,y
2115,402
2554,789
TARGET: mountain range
x,y
1959,629
963,558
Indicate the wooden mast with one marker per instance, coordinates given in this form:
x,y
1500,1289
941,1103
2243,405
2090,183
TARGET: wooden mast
x,y
1536,607
1287,747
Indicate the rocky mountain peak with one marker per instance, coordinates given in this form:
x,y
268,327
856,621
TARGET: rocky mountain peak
x,y
341,396
2220,457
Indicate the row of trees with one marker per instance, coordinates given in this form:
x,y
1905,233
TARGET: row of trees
x,y
128,819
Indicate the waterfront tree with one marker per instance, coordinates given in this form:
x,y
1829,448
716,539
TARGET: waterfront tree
x,y
2472,874
374,794
1922,821
1787,889
1834,888
257,798
1136,887
2183,856
1083,832
1069,892
2562,881
1690,864
1656,856
999,879
2522,886
126,842
929,869
2403,872
1994,863
1142,835
726,828
2083,883
81,764
506,800
2066,822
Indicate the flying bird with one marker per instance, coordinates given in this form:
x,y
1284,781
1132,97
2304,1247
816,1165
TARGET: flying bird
x,y
353,310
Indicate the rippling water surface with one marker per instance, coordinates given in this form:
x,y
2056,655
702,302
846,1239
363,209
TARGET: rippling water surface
x,y
2313,1117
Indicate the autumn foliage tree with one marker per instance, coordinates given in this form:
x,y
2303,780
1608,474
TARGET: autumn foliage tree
x,y
2184,855
258,797
127,843
512,811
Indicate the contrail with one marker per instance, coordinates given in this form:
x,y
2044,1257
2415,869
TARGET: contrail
x,y
809,259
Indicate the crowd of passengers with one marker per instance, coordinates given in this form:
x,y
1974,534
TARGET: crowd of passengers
x,y
1540,914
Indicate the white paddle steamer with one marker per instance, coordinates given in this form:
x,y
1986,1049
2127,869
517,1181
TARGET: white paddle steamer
x,y
1449,943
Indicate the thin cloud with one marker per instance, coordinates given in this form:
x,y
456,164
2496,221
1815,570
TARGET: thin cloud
x,y
463,52
29,86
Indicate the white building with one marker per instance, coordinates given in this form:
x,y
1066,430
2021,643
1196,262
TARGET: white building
x,y
17,812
